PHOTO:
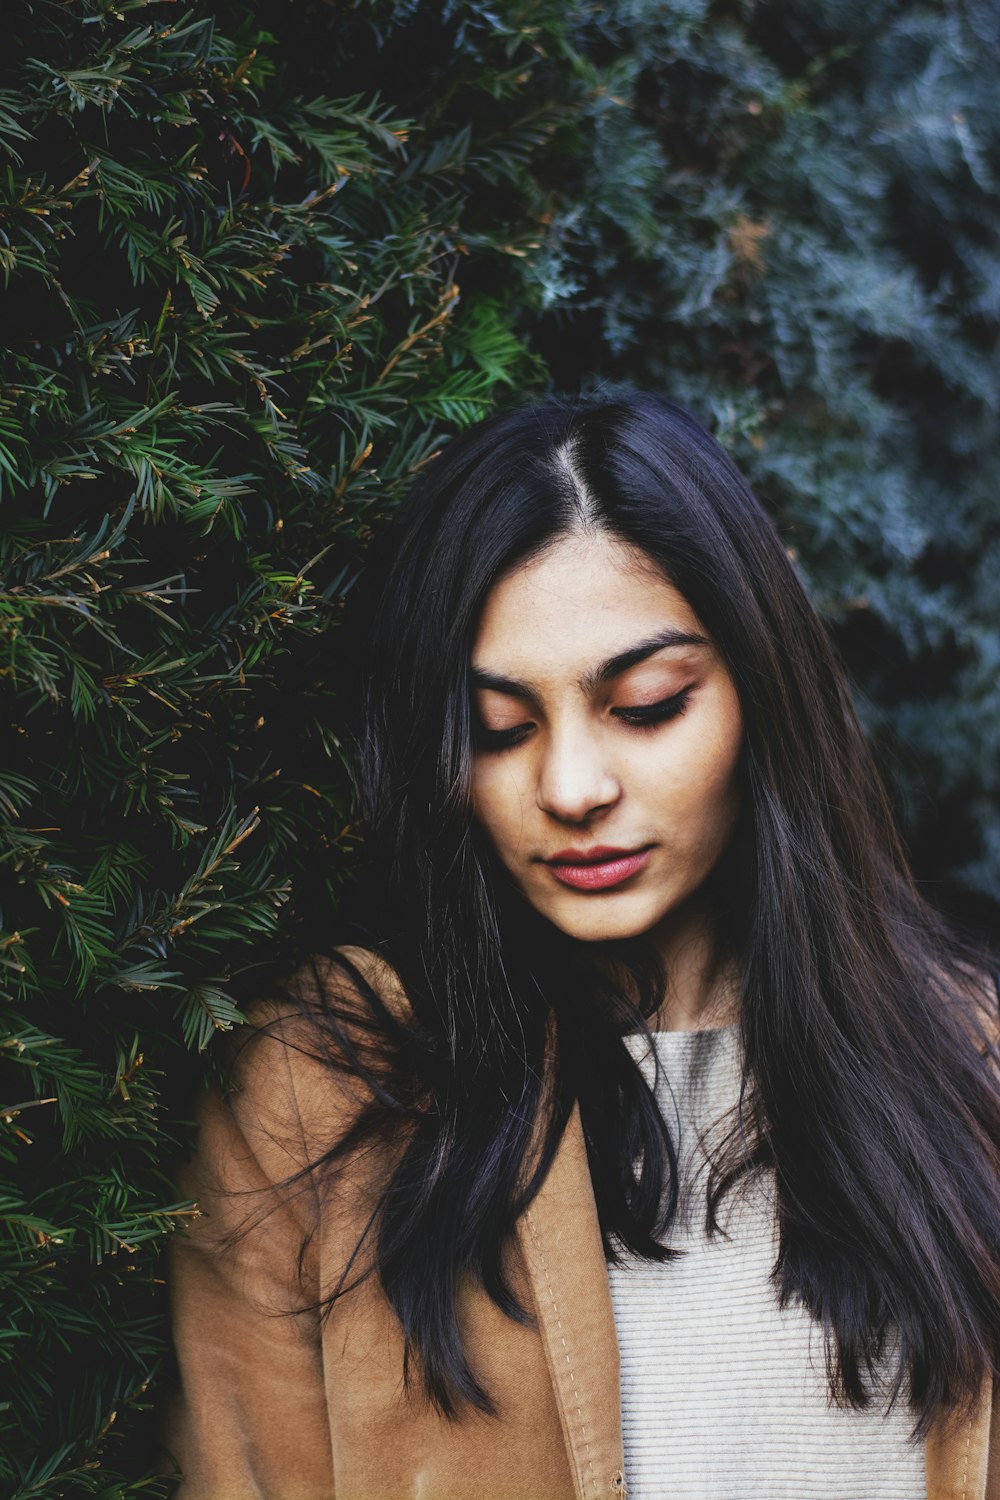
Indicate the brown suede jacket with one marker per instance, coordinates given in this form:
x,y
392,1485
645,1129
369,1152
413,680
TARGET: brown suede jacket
x,y
279,1407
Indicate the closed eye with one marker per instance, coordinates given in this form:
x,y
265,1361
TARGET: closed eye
x,y
647,715
641,716
500,739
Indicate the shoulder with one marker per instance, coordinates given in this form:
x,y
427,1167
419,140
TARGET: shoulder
x,y
348,984
976,998
305,1085
313,1057
376,972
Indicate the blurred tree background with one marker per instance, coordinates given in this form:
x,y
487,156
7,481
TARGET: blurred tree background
x,y
259,261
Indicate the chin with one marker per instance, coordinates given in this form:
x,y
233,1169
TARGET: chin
x,y
603,927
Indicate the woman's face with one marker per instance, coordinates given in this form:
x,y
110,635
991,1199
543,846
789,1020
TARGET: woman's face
x,y
607,739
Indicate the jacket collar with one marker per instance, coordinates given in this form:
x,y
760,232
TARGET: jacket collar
x,y
563,1253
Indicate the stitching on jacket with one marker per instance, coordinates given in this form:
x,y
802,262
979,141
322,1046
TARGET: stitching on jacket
x,y
965,1466
569,1366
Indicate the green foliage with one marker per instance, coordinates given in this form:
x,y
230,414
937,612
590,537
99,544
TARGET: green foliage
x,y
792,222
238,321
257,264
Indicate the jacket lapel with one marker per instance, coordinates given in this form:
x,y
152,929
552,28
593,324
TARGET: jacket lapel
x,y
959,1463
560,1240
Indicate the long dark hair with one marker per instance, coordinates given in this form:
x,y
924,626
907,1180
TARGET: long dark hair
x,y
869,1076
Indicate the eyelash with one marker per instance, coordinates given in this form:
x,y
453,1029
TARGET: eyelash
x,y
651,714
648,716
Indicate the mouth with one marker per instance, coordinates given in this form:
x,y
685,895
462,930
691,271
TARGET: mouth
x,y
597,869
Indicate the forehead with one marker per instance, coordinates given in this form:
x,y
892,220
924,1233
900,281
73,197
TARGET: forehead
x,y
585,598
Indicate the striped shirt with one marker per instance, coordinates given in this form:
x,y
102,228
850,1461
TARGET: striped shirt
x,y
724,1394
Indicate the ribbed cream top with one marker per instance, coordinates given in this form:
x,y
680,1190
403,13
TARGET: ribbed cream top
x,y
724,1395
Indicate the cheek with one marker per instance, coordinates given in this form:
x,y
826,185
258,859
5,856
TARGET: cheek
x,y
715,795
696,786
497,804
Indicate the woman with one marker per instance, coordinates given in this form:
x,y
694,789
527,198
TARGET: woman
x,y
652,1130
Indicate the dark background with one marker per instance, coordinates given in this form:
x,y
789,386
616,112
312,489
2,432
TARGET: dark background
x,y
258,264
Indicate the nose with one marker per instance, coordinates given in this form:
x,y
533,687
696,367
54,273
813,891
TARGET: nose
x,y
574,779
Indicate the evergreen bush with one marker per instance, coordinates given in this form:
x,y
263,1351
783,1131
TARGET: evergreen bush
x,y
234,243
258,262
796,228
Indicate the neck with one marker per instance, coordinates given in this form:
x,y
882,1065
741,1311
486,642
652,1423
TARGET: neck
x,y
701,978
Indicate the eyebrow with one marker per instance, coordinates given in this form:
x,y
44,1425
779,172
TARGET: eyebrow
x,y
595,676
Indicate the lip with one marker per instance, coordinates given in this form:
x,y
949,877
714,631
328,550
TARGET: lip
x,y
597,869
